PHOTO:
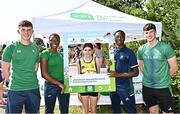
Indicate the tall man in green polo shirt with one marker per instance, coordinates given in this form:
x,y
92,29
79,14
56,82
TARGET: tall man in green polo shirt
x,y
23,57
157,61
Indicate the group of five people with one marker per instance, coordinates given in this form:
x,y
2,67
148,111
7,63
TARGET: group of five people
x,y
155,59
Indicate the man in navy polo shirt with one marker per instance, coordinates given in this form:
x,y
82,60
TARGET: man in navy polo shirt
x,y
126,67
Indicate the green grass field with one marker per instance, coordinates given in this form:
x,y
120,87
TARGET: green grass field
x,y
77,109
100,109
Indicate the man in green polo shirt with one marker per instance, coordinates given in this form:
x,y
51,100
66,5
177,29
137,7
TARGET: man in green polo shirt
x,y
23,57
157,61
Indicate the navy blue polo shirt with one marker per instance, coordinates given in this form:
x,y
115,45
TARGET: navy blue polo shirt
x,y
125,61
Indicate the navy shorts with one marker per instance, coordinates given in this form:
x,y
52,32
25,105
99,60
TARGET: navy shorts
x,y
123,94
51,93
29,98
94,94
161,97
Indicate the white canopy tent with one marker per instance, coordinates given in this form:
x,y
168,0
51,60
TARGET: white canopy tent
x,y
92,17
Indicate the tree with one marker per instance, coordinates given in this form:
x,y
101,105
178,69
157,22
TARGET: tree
x,y
123,5
166,11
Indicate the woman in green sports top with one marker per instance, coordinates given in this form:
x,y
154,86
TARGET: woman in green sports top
x,y
52,71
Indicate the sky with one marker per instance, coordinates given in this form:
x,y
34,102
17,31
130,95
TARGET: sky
x,y
13,11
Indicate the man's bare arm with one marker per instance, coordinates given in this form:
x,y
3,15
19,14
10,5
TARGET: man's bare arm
x,y
173,65
36,67
6,70
141,65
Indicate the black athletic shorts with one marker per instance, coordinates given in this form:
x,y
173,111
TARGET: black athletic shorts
x,y
161,97
94,94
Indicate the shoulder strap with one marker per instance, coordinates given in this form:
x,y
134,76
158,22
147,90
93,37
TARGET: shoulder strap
x,y
79,61
95,64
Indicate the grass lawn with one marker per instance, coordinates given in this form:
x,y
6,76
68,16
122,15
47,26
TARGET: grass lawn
x,y
77,109
100,109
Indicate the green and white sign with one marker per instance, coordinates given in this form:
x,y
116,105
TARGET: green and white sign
x,y
79,83
88,16
82,16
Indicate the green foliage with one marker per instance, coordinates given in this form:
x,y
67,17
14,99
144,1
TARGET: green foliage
x,y
163,10
40,43
123,5
135,44
105,49
167,12
176,87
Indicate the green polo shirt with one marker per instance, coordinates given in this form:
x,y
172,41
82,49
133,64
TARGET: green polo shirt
x,y
23,59
156,68
54,64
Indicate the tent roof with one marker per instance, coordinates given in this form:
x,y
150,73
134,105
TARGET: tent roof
x,y
92,17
